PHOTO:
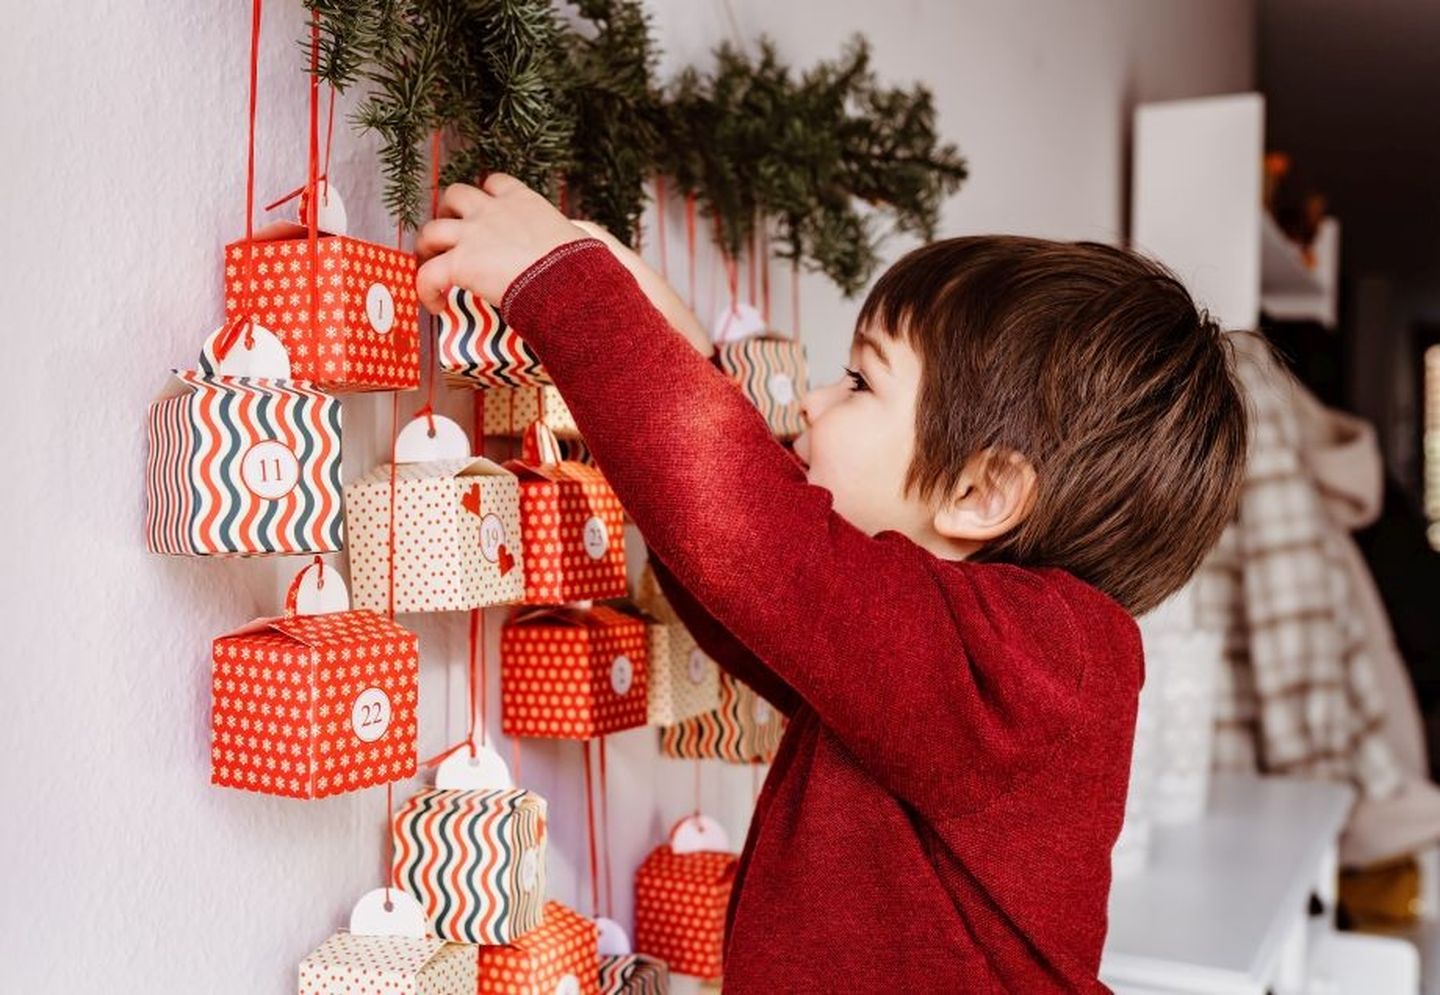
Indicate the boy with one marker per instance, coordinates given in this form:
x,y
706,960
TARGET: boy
x,y
1035,441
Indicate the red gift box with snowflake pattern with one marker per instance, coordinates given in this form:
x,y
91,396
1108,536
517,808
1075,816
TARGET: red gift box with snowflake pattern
x,y
312,705
572,673
358,330
572,527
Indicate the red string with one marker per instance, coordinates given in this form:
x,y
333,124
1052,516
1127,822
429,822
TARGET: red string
x,y
329,133
390,541
697,785
590,823
226,341
477,656
795,299
660,226
750,294
390,857
605,830
765,275
312,220
732,267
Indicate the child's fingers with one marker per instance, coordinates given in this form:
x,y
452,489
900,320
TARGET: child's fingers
x,y
437,236
498,184
433,281
460,200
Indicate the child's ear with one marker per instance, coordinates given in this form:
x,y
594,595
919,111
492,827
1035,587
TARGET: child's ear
x,y
993,495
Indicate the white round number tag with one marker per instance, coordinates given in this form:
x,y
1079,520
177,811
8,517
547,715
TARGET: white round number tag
x,y
596,537
762,712
380,308
492,537
270,469
569,985
370,715
529,870
622,675
781,388
697,666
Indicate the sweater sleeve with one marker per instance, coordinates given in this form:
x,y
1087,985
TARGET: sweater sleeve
x,y
948,681
722,647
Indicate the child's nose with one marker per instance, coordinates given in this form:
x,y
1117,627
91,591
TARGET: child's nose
x,y
815,401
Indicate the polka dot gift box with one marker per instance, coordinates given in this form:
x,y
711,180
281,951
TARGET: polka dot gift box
x,y
347,964
310,705
457,536
684,682
346,310
511,410
572,673
558,957
745,729
681,894
474,860
571,524
772,374
243,460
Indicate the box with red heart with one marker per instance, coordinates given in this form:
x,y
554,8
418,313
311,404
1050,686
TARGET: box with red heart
x,y
345,309
572,524
572,673
457,536
314,705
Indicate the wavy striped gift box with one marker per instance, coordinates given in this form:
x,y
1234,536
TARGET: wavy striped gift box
x,y
633,974
478,349
475,860
771,372
243,466
745,729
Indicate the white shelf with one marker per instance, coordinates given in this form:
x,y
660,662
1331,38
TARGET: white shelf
x,y
1291,290
1220,898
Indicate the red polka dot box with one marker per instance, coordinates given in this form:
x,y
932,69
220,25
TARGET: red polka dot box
x,y
345,309
681,895
347,964
558,957
571,524
509,411
572,673
310,705
457,534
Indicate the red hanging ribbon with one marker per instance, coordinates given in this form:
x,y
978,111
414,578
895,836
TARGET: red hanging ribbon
x,y
660,226
590,824
765,275
795,299
690,246
244,318
605,831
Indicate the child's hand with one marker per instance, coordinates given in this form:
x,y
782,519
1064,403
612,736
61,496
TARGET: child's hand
x,y
484,238
661,294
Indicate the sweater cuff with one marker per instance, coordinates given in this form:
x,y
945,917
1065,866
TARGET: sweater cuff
x,y
515,300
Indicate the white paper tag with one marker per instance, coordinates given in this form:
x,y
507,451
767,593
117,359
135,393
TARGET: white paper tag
x,y
492,537
733,323
762,712
622,675
781,388
370,715
380,308
483,772
698,664
331,217
415,444
698,834
270,469
568,985
321,591
596,537
266,356
405,917
613,940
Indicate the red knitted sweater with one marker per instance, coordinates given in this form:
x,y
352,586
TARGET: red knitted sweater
x,y
940,815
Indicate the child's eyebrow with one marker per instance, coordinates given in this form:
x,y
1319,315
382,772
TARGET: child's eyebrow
x,y
864,339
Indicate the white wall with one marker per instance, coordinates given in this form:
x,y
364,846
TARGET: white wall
x,y
121,172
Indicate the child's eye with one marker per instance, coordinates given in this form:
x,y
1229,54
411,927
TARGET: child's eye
x,y
857,380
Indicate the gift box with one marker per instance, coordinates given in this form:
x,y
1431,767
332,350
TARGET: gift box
x,y
478,349
474,860
347,964
684,682
360,330
772,374
558,957
312,705
569,673
633,974
457,536
745,729
680,904
242,466
509,411
572,526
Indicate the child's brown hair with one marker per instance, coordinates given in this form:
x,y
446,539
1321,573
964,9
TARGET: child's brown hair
x,y
1093,363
